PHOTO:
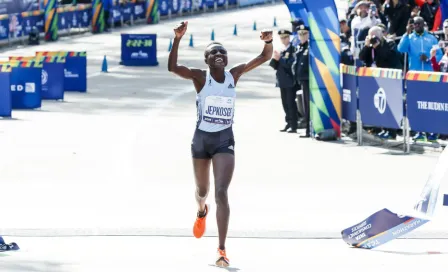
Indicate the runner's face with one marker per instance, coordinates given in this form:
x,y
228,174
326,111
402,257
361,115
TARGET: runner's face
x,y
217,56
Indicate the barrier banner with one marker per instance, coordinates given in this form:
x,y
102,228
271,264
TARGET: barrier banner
x,y
51,20
139,10
26,82
5,91
63,21
427,101
186,5
18,6
174,5
97,16
163,8
380,228
53,77
75,71
349,88
139,49
381,97
33,18
126,11
83,16
152,8
115,15
68,18
4,27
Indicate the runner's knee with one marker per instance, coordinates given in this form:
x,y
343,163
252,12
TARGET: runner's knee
x,y
202,191
221,195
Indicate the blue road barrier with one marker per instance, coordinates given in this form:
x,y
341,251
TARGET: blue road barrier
x,y
5,91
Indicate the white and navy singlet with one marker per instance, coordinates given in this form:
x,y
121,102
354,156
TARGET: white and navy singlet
x,y
215,105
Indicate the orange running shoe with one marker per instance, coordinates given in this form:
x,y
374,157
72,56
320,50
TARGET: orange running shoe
x,y
222,260
199,224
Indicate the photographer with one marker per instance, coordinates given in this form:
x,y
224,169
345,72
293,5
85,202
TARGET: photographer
x,y
382,53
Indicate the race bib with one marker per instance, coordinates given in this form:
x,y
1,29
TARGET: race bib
x,y
218,110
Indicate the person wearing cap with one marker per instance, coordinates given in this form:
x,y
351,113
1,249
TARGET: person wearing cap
x,y
364,19
301,73
282,63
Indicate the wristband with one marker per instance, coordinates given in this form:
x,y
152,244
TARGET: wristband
x,y
268,41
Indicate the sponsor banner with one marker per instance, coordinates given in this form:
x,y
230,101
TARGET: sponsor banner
x,y
427,101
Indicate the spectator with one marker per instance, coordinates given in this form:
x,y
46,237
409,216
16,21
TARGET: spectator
x,y
442,65
363,19
428,12
418,45
398,13
381,52
345,31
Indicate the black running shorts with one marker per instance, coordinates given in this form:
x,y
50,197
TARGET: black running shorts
x,y
206,144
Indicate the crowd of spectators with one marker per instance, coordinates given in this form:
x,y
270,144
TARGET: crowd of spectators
x,y
398,34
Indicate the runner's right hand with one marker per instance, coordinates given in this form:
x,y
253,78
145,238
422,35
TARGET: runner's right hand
x,y
180,29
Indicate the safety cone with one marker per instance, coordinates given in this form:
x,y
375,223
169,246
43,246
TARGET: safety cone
x,y
235,32
255,25
104,66
170,46
213,35
191,41
275,22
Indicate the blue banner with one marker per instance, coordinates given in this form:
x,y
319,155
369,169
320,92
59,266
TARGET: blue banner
x,y
53,78
18,6
174,5
349,97
186,5
444,9
126,11
139,11
427,102
30,20
75,72
26,86
380,228
164,5
139,49
5,91
381,97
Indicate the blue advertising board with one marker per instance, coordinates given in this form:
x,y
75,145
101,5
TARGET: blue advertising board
x,y
427,101
75,69
53,78
31,19
381,97
5,91
18,6
349,96
139,49
163,7
26,84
